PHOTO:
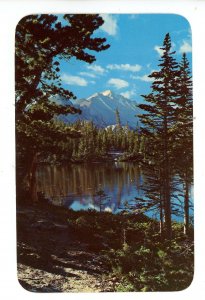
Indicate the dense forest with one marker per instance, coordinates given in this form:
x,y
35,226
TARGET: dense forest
x,y
96,143
161,144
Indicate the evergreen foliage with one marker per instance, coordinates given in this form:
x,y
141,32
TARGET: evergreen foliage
x,y
167,124
96,144
138,258
41,42
184,135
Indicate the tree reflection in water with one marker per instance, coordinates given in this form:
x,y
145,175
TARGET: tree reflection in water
x,y
77,185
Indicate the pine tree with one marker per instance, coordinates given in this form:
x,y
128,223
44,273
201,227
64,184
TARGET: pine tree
x,y
118,121
184,135
41,42
158,122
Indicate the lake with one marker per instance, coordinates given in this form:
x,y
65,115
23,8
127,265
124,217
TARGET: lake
x,y
100,186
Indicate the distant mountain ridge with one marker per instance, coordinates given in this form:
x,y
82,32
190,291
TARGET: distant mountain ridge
x,y
101,109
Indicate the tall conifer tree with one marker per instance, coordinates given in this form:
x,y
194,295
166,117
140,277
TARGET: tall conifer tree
x,y
184,135
158,121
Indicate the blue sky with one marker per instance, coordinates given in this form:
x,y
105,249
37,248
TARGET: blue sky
x,y
133,54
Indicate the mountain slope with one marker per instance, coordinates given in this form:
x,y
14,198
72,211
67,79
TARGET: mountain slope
x,y
101,109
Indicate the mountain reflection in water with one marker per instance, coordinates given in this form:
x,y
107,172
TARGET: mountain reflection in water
x,y
100,186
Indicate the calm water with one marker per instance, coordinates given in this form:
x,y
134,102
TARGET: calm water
x,y
80,186
100,186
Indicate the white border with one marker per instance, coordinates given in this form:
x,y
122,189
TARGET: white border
x,y
10,13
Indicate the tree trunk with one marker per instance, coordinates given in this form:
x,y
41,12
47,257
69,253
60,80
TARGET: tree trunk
x,y
167,196
161,208
168,222
32,178
161,224
186,208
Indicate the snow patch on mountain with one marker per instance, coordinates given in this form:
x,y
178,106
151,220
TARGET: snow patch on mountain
x,y
107,93
101,109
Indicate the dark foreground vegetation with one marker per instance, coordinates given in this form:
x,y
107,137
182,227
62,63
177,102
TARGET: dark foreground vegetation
x,y
63,250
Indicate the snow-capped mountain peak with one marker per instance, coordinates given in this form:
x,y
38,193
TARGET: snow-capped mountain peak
x,y
107,93
101,109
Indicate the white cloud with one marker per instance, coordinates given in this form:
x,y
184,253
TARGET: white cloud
x,y
145,78
73,80
91,75
118,83
97,69
128,94
159,51
125,67
185,47
110,24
